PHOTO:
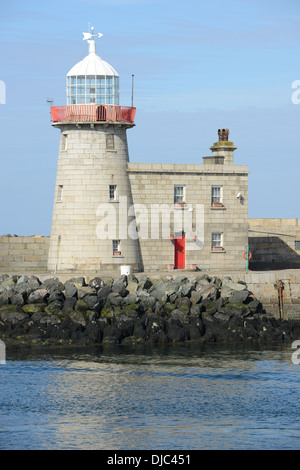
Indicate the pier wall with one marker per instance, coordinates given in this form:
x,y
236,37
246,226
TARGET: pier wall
x,y
274,243
21,254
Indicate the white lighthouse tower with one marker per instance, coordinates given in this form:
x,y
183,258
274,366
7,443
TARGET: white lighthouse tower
x,y
92,194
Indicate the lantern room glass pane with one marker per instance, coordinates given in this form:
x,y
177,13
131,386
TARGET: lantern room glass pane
x,y
100,80
90,80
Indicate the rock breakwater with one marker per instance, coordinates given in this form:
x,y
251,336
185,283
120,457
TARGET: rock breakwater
x,y
134,310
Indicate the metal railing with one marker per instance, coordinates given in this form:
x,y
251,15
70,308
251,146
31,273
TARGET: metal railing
x,y
93,113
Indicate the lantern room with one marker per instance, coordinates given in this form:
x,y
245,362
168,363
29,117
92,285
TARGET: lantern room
x,y
92,80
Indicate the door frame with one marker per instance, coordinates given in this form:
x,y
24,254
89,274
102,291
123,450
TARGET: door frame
x,y
179,242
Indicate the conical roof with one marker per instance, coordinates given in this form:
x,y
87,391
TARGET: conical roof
x,y
92,64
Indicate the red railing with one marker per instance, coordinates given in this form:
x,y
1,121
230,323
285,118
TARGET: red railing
x,y
92,113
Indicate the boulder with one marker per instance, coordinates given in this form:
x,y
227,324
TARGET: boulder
x,y
16,298
4,298
178,316
196,327
209,306
84,291
38,296
69,304
202,279
196,297
70,290
78,317
183,304
115,299
186,289
144,283
132,284
103,293
54,307
81,306
56,296
13,317
132,299
96,283
229,287
7,284
239,296
78,281
254,305
236,309
208,291
147,302
91,301
34,308
52,284
119,287
159,294
26,285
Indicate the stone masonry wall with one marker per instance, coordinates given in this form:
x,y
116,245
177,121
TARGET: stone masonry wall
x,y
21,254
154,184
272,243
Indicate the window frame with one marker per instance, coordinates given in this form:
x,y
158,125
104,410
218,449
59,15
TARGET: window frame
x,y
64,142
218,199
179,198
60,190
116,247
112,192
110,141
217,243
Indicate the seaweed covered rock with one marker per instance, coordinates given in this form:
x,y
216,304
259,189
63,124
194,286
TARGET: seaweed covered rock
x,y
134,310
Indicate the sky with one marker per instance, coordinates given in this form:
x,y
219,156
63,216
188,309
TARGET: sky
x,y
198,66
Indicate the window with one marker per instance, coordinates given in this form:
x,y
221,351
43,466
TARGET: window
x,y
216,240
59,197
179,196
112,192
297,245
116,247
216,195
110,141
64,138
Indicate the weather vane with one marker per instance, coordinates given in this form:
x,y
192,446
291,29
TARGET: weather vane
x,y
88,36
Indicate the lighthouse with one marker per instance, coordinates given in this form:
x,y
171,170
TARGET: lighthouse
x,y
92,199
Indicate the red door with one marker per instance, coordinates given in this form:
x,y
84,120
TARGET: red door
x,y
179,244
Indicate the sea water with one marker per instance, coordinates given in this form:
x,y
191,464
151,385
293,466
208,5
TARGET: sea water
x,y
175,397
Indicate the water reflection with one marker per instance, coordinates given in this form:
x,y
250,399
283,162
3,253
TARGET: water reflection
x,y
161,398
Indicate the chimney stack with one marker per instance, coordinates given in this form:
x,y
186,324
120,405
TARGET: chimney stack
x,y
223,134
